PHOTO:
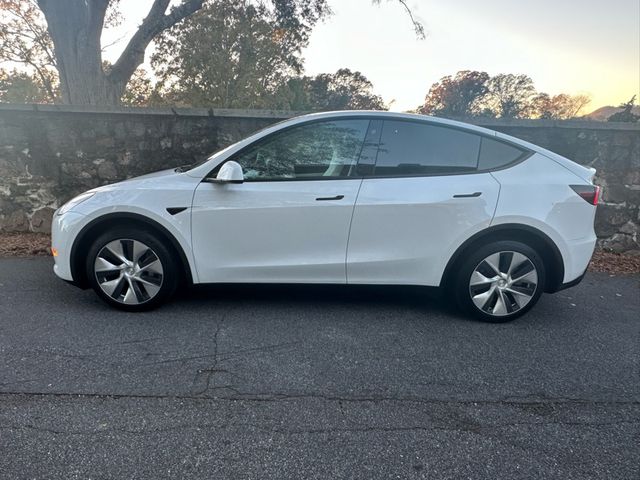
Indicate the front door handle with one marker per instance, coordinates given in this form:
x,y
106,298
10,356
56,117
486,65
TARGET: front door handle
x,y
467,195
323,199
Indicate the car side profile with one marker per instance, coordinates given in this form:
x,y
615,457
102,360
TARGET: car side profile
x,y
343,198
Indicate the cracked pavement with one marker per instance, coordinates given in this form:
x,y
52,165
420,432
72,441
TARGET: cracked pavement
x,y
315,382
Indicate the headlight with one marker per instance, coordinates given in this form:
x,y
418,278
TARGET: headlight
x,y
75,201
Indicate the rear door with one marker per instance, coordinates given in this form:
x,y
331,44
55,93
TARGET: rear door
x,y
422,197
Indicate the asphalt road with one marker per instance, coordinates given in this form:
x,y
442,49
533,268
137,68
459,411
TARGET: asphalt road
x,y
315,382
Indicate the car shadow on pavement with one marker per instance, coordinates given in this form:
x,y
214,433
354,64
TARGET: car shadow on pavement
x,y
406,297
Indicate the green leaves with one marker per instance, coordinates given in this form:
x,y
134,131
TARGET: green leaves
x,y
235,54
343,90
21,87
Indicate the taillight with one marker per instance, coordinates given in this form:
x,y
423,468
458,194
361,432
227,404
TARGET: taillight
x,y
590,193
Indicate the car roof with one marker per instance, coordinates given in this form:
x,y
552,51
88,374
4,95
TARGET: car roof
x,y
388,116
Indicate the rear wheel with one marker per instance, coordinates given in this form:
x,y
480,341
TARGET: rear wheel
x,y
131,270
500,281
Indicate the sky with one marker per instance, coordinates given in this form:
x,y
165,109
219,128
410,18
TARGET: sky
x,y
565,46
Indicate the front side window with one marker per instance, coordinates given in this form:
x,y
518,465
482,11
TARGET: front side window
x,y
412,148
311,151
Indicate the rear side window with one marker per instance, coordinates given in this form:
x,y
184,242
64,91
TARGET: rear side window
x,y
496,154
411,148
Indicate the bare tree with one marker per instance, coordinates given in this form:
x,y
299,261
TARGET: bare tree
x,y
559,107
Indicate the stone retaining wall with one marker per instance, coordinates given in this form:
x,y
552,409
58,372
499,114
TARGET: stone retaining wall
x,y
49,153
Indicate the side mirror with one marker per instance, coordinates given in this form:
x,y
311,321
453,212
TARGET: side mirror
x,y
230,172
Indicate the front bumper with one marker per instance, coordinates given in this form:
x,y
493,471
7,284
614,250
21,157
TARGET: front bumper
x,y
64,229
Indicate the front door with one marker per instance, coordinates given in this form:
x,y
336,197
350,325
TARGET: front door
x,y
289,221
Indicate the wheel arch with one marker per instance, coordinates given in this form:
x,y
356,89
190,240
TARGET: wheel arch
x,y
94,228
533,237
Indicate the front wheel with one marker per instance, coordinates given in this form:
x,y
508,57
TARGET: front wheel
x,y
131,269
500,281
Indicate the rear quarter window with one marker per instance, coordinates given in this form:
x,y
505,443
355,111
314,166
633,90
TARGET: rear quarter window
x,y
496,154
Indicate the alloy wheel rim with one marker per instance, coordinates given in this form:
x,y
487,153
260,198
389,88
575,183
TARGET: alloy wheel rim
x,y
503,283
128,271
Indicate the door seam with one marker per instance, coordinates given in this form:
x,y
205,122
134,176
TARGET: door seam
x,y
193,256
346,252
497,199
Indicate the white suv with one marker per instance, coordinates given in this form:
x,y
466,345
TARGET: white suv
x,y
343,197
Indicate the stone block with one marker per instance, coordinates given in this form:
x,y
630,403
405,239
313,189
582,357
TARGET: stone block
x,y
614,193
16,221
630,228
620,243
107,171
41,220
106,142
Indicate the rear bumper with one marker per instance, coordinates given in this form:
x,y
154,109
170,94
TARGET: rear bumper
x,y
577,258
570,284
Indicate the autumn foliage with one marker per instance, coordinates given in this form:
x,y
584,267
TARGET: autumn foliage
x,y
472,94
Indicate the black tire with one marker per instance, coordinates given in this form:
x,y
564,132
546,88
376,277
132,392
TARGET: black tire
x,y
509,303
167,281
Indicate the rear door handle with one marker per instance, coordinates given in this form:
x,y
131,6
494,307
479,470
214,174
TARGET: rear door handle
x,y
324,199
467,195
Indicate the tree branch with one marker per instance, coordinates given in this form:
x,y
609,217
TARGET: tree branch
x,y
154,23
46,82
39,33
417,26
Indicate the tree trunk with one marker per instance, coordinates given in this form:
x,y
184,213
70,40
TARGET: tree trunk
x,y
75,27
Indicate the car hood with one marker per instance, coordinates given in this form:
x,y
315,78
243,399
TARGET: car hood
x,y
143,180
160,173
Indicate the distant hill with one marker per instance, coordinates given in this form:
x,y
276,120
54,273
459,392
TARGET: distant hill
x,y
603,113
